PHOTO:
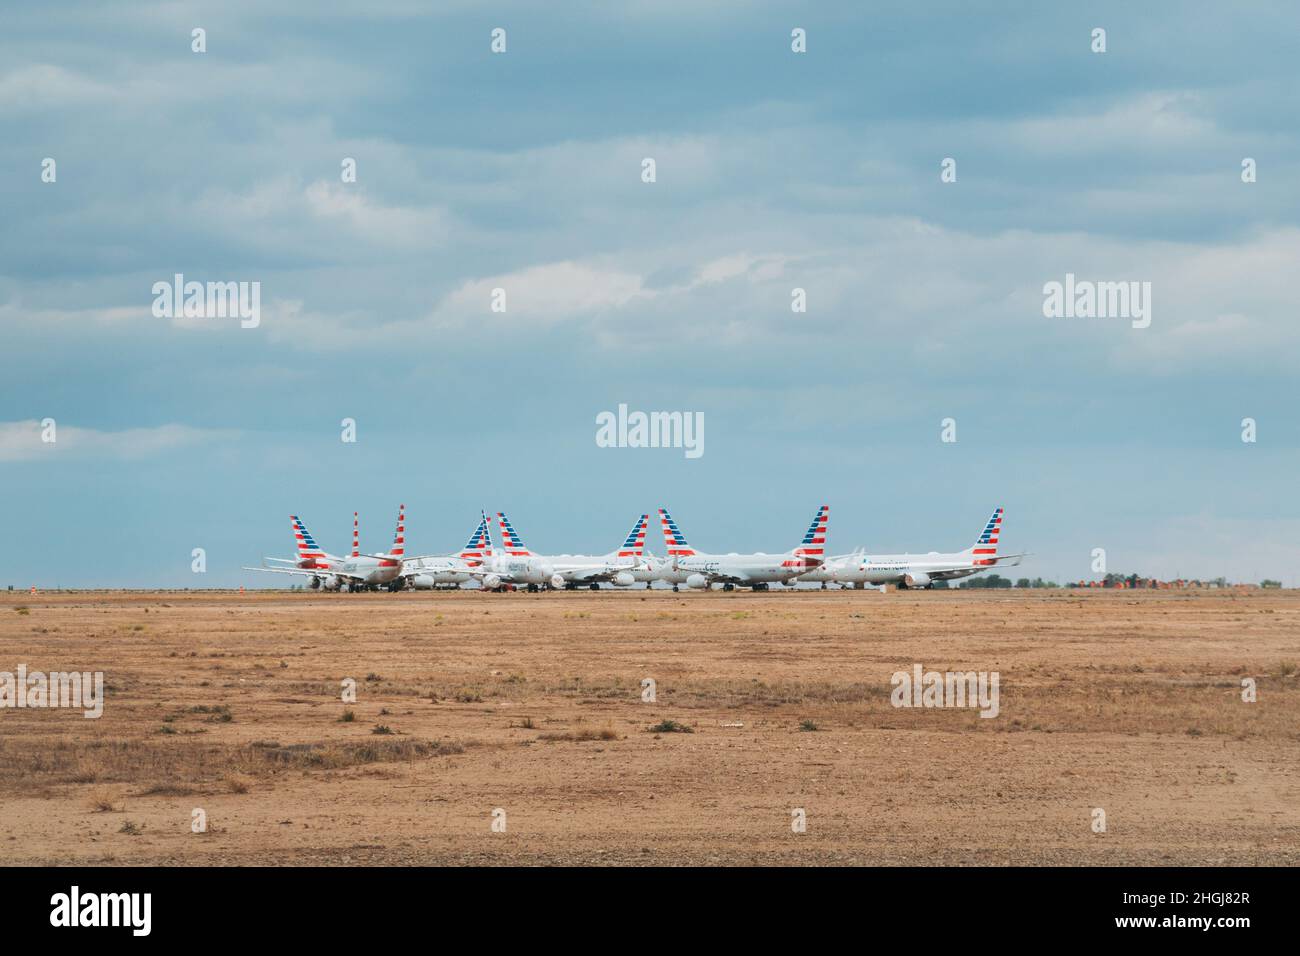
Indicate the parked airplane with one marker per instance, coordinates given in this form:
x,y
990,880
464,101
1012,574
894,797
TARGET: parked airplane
x,y
622,568
309,556
515,565
312,561
450,570
918,570
697,570
356,571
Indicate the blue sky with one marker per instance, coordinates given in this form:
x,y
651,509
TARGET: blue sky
x,y
775,170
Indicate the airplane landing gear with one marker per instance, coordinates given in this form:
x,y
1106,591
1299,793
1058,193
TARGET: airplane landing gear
x,y
595,585
676,589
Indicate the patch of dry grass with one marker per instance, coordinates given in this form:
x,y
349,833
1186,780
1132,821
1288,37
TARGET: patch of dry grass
x,y
158,766
581,736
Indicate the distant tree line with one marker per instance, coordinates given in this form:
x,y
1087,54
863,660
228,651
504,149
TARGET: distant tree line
x,y
1111,580
998,581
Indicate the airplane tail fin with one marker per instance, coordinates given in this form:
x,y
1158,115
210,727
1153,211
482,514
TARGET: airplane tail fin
x,y
398,549
812,550
309,553
634,545
984,550
479,545
674,540
511,542
356,536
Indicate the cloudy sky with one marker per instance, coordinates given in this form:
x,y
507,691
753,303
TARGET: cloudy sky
x,y
523,171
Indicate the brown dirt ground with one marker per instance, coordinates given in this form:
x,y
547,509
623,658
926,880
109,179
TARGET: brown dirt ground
x,y
1126,701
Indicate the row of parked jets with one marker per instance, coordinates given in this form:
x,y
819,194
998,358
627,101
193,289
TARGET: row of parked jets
x,y
513,566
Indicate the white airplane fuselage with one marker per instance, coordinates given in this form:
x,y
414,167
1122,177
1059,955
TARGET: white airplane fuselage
x,y
438,572
517,569
914,570
619,571
368,570
918,570
648,569
758,568
879,569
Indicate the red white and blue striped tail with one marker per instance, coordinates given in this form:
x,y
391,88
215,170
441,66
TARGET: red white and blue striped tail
x,y
479,545
309,554
634,545
984,550
356,536
510,541
674,540
812,550
399,536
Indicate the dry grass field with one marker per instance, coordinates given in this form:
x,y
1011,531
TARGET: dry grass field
x,y
468,702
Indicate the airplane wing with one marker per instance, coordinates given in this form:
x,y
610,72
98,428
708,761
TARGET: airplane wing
x,y
309,572
441,568
585,574
844,557
479,573
962,571
715,576
404,560
719,577
948,574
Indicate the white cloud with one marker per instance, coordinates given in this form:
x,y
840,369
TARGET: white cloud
x,y
280,214
545,293
1166,119
149,84
14,313
43,86
371,220
23,441
289,321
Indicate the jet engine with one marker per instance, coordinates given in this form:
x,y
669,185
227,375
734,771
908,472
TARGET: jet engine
x,y
492,581
425,582
315,583
557,581
624,579
697,581
331,583
916,579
